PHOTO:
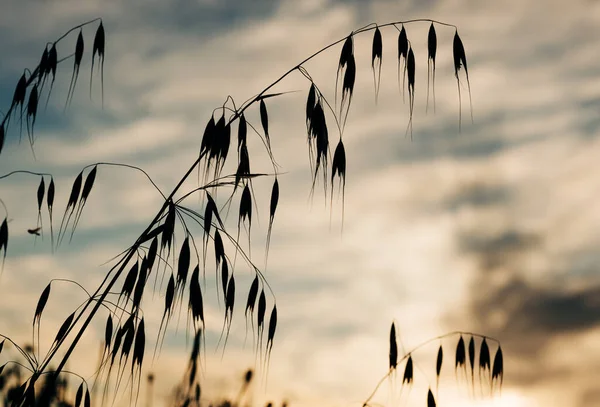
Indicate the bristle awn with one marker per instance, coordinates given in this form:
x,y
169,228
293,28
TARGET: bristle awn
x,y
438,368
402,53
393,348
410,68
50,202
3,241
264,120
76,65
85,193
40,198
377,54
73,197
272,210
431,53
52,63
498,369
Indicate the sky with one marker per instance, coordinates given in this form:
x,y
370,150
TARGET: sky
x,y
491,228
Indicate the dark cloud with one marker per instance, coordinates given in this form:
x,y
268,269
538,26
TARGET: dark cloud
x,y
204,18
498,250
477,194
525,314
538,313
590,397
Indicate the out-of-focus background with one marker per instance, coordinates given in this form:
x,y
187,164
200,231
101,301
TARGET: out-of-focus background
x,y
493,229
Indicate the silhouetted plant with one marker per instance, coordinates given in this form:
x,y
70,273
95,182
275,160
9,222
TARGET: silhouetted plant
x,y
124,348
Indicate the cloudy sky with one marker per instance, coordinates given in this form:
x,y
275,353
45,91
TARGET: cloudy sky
x,y
492,229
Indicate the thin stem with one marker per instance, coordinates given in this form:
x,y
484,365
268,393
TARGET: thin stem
x,y
133,167
39,174
21,351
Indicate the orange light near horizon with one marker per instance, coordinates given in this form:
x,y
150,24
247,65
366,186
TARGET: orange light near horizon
x,y
506,399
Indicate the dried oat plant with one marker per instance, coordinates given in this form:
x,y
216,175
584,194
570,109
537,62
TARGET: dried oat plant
x,y
181,242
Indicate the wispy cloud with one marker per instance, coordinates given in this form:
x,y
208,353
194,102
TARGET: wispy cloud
x,y
491,229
